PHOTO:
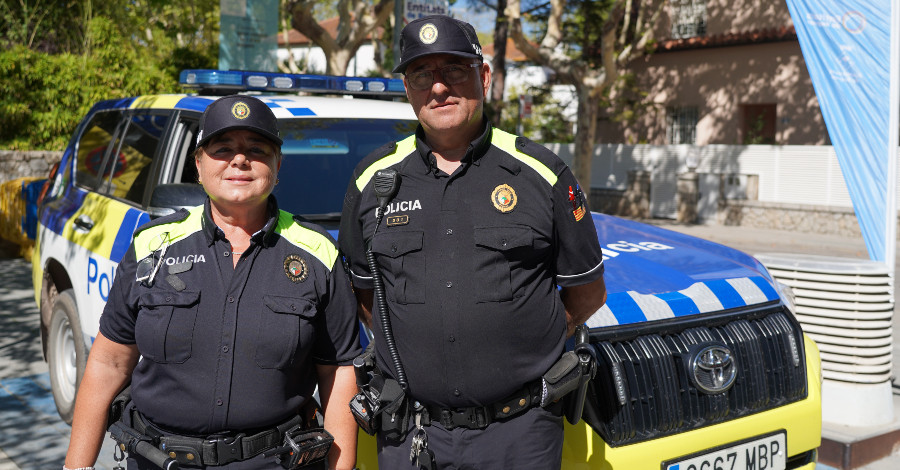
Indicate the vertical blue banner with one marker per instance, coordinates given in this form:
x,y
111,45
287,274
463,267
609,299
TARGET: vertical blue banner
x,y
248,35
846,45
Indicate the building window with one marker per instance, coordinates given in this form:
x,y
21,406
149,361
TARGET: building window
x,y
759,124
688,18
681,125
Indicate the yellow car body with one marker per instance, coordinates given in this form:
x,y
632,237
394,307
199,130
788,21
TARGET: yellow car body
x,y
584,449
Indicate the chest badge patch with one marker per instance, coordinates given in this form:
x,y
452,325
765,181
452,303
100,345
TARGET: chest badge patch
x,y
393,220
504,198
296,268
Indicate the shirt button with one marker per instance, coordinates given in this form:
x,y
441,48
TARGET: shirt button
x,y
449,284
226,254
218,402
449,231
503,242
225,349
393,248
230,299
452,338
168,298
457,393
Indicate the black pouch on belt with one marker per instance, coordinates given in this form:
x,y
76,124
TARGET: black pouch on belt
x,y
303,448
394,411
561,379
570,376
117,407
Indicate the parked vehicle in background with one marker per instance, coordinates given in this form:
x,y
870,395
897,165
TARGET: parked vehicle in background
x,y
701,362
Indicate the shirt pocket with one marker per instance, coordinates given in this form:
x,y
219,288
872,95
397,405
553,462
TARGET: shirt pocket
x,y
498,250
402,264
285,325
164,329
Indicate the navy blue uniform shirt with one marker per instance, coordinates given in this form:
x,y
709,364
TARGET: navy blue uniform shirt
x,y
471,263
230,348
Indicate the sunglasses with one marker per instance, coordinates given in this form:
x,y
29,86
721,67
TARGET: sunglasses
x,y
453,74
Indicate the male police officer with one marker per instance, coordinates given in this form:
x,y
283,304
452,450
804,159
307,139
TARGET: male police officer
x,y
482,230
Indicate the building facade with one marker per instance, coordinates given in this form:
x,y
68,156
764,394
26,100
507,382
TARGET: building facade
x,y
723,72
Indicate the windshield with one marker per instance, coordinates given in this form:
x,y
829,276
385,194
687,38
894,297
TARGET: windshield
x,y
319,158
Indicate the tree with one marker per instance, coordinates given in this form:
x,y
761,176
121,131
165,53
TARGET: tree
x,y
498,69
587,44
59,57
358,19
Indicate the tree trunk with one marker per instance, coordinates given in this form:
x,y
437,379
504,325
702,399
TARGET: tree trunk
x,y
338,62
501,32
585,137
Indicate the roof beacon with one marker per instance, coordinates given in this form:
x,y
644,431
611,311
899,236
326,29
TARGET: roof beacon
x,y
231,81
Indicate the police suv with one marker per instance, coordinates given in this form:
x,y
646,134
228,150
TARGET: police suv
x,y
701,363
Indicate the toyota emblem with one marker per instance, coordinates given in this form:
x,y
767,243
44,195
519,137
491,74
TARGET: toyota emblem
x,y
713,369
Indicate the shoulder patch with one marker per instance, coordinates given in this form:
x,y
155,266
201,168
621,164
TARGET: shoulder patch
x,y
527,152
167,230
397,154
298,233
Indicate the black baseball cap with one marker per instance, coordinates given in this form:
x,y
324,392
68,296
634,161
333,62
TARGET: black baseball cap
x,y
437,34
238,112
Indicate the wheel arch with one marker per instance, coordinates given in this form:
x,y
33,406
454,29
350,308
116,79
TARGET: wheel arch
x,y
54,280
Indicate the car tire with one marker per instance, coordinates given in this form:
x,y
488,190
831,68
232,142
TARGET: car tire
x,y
66,354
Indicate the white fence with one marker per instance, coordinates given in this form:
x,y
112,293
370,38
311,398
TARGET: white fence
x,y
793,174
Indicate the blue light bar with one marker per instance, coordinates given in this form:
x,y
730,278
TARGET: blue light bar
x,y
234,80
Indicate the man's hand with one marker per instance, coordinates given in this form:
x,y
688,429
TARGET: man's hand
x,y
581,302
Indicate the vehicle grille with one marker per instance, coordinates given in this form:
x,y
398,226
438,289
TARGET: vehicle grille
x,y
643,388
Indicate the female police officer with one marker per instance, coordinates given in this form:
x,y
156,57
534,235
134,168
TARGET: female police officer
x,y
237,310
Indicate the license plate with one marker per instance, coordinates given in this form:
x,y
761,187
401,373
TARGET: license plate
x,y
761,453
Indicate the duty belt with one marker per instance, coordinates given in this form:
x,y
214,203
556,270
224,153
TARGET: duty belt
x,y
214,450
479,417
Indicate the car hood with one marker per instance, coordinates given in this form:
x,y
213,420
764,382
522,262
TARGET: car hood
x,y
653,274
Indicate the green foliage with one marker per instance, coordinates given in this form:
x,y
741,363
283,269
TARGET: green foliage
x,y
57,58
45,25
546,124
43,96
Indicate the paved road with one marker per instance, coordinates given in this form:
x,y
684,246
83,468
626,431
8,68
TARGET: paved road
x,y
32,436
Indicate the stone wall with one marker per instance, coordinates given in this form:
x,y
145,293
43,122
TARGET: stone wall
x,y
794,217
634,203
18,164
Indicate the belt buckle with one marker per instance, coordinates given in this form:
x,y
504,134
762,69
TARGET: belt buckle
x,y
228,449
480,417
475,417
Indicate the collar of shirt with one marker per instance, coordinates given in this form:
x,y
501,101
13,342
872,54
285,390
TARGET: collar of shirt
x,y
477,148
213,232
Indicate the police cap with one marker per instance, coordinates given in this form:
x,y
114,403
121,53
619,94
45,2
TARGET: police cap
x,y
237,112
437,34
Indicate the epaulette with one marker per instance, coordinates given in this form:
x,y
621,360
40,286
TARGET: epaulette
x,y
539,158
177,216
383,157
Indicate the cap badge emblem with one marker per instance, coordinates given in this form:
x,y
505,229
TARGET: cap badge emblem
x,y
504,198
240,110
428,33
295,268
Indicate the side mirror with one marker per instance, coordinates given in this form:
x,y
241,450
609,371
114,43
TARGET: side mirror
x,y
169,198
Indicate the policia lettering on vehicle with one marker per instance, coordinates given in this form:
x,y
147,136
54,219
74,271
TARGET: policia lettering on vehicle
x,y
238,311
470,231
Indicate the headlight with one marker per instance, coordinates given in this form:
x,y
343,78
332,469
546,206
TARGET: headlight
x,y
787,296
